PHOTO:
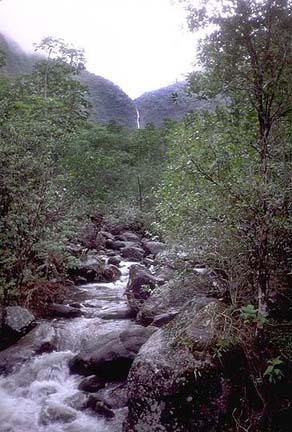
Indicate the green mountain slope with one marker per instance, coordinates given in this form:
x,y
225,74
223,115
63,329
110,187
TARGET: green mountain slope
x,y
17,61
109,103
159,105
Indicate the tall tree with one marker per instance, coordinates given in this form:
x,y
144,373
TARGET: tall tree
x,y
247,58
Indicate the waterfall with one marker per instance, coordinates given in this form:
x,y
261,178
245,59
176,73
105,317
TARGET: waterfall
x,y
138,118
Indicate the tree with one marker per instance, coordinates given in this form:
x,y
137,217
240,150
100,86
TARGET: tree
x,y
34,202
61,57
246,58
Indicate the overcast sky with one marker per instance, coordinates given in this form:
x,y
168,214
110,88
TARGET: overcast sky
x,y
140,45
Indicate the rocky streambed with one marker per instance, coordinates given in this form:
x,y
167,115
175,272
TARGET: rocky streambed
x,y
69,373
127,351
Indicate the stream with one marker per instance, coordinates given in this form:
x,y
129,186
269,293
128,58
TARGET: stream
x,y
41,395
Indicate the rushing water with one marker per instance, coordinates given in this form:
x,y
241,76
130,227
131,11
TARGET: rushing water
x,y
138,118
39,395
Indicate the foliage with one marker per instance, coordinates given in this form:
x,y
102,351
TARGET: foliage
x,y
273,372
108,103
35,210
227,182
109,165
251,315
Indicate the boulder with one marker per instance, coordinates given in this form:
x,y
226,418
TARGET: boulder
x,y
164,303
111,360
91,384
15,322
94,270
111,273
114,395
114,260
153,247
117,313
99,407
18,320
114,244
80,280
88,269
141,283
132,253
64,311
130,236
174,384
41,338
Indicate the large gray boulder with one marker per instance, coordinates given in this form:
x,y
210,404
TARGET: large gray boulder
x,y
132,253
174,384
64,311
15,322
93,269
141,283
18,320
40,339
153,247
165,301
111,359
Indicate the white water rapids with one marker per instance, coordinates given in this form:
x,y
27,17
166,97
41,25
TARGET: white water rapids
x,y
32,396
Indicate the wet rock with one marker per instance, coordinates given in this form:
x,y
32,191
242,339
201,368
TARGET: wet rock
x,y
115,244
75,305
18,320
132,253
121,237
15,322
130,236
99,407
115,396
111,273
63,311
163,319
80,280
114,260
112,359
174,375
89,269
91,384
56,414
93,269
141,283
153,247
119,313
29,345
166,301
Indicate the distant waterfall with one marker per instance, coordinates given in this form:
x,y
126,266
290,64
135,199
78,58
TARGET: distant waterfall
x,y
138,118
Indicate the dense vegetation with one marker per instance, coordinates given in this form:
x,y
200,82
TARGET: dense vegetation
x,y
56,165
218,182
108,102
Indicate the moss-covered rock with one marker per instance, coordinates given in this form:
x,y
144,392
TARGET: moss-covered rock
x,y
174,383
